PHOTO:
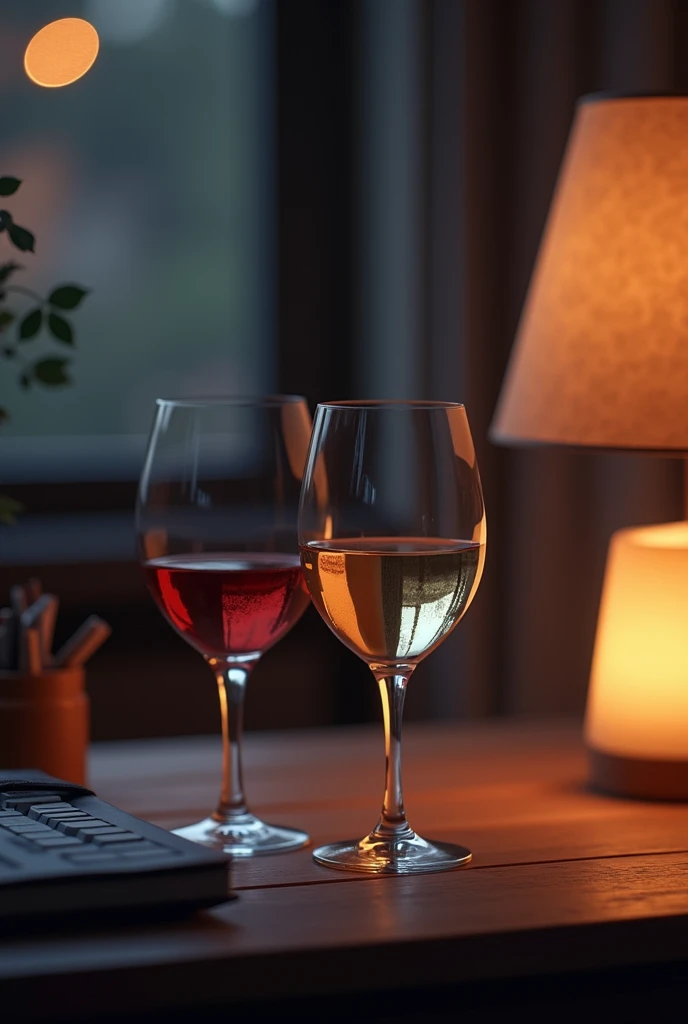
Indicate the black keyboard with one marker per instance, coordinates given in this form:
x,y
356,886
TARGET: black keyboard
x,y
66,855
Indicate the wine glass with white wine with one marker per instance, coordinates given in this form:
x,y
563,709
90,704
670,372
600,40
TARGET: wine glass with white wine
x,y
392,535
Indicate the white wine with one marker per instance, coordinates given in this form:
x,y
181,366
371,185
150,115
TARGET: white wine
x,y
392,600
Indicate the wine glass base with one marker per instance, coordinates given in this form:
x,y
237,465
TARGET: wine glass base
x,y
243,836
406,856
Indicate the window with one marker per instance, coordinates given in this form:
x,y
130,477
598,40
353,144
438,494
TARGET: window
x,y
149,182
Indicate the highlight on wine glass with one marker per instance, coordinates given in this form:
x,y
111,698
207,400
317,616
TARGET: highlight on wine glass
x,y
392,533
216,524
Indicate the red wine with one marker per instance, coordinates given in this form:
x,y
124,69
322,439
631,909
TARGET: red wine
x,y
232,603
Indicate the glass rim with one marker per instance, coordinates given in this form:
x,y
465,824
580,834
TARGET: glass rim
x,y
203,401
389,403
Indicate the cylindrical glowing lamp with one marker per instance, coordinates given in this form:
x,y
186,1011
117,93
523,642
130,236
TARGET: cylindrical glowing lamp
x,y
601,361
636,724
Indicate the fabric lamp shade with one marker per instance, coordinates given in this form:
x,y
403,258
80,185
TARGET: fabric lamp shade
x,y
601,354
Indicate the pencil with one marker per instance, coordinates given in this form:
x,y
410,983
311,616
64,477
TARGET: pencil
x,y
83,643
42,614
30,651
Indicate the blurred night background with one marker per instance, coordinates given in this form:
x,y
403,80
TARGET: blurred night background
x,y
337,198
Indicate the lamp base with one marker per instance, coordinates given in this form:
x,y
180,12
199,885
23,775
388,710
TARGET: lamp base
x,y
638,777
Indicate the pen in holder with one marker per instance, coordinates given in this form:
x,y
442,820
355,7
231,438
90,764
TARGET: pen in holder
x,y
44,706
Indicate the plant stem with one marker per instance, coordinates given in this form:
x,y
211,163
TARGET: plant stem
x,y
20,290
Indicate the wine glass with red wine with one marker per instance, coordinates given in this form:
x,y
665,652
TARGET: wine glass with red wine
x,y
392,532
216,526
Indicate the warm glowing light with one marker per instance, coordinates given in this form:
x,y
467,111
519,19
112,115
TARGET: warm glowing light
x,y
61,52
638,699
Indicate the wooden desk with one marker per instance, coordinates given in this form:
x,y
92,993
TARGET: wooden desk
x,y
573,901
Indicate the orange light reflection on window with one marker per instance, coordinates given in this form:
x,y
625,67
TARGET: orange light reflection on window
x,y
61,52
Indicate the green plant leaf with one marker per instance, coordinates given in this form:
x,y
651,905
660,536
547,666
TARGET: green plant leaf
x,y
31,324
51,371
8,186
8,268
21,238
67,296
60,328
6,318
9,510
4,415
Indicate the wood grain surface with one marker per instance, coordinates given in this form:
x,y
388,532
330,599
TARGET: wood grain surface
x,y
563,879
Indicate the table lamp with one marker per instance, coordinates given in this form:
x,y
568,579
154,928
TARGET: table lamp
x,y
600,361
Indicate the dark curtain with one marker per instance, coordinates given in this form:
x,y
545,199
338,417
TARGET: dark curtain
x,y
502,80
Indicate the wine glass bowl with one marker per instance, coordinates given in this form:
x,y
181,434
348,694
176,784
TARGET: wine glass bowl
x,y
392,534
216,526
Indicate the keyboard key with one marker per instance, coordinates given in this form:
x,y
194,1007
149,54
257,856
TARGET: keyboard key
x,y
116,840
26,845
72,826
160,853
39,830
62,809
36,809
88,850
26,798
53,841
89,832
10,814
56,808
56,811
86,861
54,818
33,809
24,826
143,845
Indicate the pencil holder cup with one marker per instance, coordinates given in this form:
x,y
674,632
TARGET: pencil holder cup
x,y
45,722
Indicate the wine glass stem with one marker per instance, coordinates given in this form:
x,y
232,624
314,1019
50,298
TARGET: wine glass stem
x,y
231,684
392,824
